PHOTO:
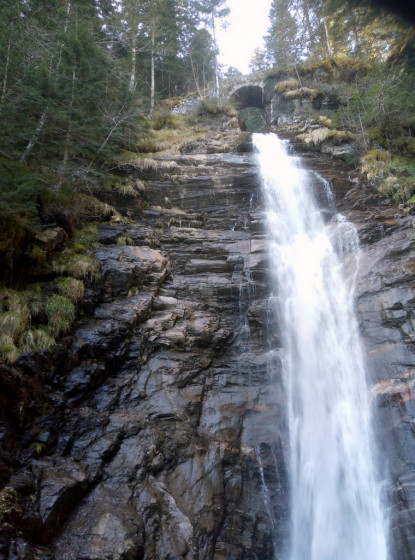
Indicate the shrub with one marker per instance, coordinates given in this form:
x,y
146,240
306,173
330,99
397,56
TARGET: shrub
x,y
86,236
71,288
286,85
207,108
167,120
10,505
319,135
16,316
393,176
8,350
60,313
78,266
13,324
301,93
35,340
148,145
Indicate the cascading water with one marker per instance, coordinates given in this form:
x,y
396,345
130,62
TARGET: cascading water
x,y
336,506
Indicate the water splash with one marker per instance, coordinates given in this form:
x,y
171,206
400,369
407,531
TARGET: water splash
x,y
335,497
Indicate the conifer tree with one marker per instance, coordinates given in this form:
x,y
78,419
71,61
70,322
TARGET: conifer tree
x,y
281,41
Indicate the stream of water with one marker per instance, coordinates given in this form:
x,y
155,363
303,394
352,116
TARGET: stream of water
x,y
336,506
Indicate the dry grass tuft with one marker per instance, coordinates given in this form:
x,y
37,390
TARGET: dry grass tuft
x,y
301,93
286,85
317,136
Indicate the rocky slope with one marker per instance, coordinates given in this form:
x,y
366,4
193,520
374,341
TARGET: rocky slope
x,y
166,432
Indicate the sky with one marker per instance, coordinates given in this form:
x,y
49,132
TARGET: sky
x,y
247,24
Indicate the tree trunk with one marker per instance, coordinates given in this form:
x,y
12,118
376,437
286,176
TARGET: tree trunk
x,y
195,74
153,78
306,11
65,158
131,86
217,87
35,136
5,77
326,32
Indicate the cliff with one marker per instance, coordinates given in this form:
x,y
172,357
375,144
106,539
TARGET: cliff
x,y
157,428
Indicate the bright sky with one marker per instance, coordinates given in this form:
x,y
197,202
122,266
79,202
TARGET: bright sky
x,y
248,23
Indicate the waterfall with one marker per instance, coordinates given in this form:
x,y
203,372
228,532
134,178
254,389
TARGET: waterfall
x,y
336,509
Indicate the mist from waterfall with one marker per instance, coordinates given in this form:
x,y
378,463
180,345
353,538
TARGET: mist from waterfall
x,y
336,506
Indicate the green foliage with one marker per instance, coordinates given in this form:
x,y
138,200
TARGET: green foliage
x,y
74,88
380,108
38,447
71,288
313,30
60,313
79,266
35,340
86,236
394,176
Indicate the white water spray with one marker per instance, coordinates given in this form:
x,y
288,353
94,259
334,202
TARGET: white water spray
x,y
335,498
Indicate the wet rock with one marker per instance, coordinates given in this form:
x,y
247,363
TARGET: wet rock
x,y
111,325
82,379
159,439
126,267
63,482
50,238
105,528
385,305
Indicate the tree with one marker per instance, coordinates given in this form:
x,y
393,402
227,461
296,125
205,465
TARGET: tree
x,y
214,10
317,29
281,41
258,61
202,59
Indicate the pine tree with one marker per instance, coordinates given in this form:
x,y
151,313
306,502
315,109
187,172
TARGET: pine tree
x,y
214,10
281,41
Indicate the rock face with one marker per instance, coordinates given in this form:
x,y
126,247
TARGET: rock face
x,y
172,451
168,437
385,305
171,441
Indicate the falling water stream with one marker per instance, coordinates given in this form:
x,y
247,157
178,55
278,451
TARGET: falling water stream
x,y
336,510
